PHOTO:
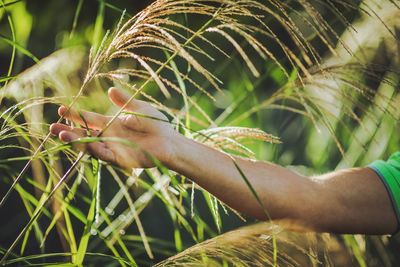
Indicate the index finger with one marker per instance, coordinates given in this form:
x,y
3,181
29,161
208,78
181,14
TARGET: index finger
x,y
89,119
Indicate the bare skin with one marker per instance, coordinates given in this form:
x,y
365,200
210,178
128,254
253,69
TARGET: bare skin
x,y
346,201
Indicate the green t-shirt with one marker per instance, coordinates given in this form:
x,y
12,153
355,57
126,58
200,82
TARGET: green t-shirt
x,y
389,172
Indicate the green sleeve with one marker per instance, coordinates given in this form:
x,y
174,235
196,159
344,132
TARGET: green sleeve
x,y
389,172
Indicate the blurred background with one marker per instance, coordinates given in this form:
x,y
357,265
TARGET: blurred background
x,y
336,107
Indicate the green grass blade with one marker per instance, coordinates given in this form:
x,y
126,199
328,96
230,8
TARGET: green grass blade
x,y
81,252
98,26
83,244
352,244
5,79
11,24
12,3
19,47
39,209
76,17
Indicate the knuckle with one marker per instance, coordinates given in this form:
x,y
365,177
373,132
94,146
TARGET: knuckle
x,y
131,121
124,120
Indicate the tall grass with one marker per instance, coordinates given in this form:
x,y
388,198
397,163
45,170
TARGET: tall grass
x,y
304,67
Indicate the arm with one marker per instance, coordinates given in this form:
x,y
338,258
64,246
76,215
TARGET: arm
x,y
348,201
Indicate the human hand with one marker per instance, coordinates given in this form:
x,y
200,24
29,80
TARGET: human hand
x,y
148,131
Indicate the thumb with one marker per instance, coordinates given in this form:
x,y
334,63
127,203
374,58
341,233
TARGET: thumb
x,y
118,97
121,99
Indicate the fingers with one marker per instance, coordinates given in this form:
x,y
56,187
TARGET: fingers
x,y
101,151
70,136
57,128
85,118
120,98
137,122
97,149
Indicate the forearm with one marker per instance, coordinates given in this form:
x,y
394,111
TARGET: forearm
x,y
277,187
348,201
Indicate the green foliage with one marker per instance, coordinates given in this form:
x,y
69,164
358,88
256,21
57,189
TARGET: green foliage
x,y
321,75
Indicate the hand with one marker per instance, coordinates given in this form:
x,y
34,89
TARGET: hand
x,y
148,131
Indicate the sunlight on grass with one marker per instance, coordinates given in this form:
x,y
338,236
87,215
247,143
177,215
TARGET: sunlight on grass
x,y
295,82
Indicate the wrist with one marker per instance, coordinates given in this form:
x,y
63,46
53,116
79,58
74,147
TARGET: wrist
x,y
175,151
170,152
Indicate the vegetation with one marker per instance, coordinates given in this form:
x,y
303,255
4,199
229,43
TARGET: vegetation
x,y
308,84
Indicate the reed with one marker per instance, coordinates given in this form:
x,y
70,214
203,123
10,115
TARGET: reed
x,y
305,61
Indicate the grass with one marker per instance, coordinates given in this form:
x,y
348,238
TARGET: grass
x,y
179,55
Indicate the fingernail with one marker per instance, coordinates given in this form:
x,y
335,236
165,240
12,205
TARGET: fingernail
x,y
65,137
51,128
61,110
